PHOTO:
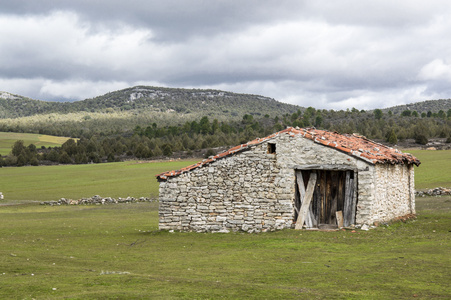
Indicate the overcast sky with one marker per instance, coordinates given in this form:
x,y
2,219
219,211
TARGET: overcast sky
x,y
326,54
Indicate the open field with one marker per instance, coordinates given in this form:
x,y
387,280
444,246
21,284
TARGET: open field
x,y
116,251
7,140
131,178
138,179
435,168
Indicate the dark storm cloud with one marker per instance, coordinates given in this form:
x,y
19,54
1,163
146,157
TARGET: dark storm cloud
x,y
170,19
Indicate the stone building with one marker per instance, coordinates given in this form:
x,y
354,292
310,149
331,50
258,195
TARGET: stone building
x,y
303,178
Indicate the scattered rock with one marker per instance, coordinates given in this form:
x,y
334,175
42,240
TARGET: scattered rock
x,y
439,191
96,200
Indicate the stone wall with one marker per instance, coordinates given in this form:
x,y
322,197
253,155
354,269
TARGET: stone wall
x,y
438,191
254,191
395,192
96,200
243,192
297,153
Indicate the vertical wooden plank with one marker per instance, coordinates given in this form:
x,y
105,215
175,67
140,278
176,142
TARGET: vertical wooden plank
x,y
306,201
333,197
340,191
301,188
354,199
347,201
323,197
317,199
339,215
299,195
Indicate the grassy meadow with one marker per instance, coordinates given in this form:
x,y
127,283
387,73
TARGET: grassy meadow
x,y
131,178
117,252
434,170
7,140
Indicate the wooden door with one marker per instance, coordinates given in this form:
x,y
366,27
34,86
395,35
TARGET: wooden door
x,y
333,192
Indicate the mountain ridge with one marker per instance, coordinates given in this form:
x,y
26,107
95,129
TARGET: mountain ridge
x,y
156,99
211,102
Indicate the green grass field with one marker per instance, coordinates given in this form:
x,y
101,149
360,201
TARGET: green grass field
x,y
138,179
435,168
117,252
132,178
7,140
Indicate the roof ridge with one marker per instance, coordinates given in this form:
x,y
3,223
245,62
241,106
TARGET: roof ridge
x,y
369,151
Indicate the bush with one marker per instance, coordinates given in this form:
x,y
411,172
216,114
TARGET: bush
x,y
65,158
210,152
421,139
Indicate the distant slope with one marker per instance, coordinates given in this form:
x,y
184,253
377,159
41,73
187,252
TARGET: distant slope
x,y
422,107
13,106
153,99
7,140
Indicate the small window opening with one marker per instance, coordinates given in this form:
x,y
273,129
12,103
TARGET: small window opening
x,y
271,148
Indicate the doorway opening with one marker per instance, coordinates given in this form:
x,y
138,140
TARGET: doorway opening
x,y
332,203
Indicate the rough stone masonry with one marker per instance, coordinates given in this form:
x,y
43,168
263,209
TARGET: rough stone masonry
x,y
253,189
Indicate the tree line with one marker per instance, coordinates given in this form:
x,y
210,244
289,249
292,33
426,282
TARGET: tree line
x,y
204,137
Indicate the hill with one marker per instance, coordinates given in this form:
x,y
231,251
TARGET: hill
x,y
139,99
421,107
13,106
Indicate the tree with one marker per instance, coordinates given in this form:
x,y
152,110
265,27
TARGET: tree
x,y
378,114
247,119
421,139
141,151
406,113
318,120
64,158
53,155
214,126
17,148
21,161
392,138
32,148
167,150
205,125
70,147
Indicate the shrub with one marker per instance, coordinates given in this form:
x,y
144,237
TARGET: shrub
x,y
421,139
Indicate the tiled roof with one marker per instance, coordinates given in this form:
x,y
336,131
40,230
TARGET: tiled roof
x,y
352,144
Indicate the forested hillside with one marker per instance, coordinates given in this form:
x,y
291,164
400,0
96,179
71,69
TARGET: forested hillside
x,y
151,123
421,107
143,99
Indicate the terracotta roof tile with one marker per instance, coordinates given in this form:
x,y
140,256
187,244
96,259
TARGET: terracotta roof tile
x,y
352,144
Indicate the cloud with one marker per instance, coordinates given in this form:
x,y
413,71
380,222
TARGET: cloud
x,y
312,53
436,70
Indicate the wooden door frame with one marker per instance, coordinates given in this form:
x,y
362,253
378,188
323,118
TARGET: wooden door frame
x,y
313,218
